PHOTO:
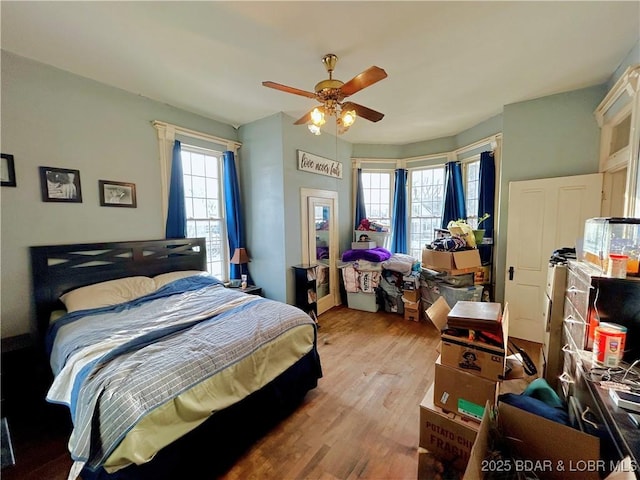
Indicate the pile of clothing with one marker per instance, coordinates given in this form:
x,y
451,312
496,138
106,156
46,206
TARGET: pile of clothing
x,y
378,271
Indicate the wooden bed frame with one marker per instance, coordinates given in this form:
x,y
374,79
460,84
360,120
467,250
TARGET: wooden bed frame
x,y
56,269
210,449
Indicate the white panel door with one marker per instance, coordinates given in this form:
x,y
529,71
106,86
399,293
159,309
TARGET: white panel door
x,y
543,215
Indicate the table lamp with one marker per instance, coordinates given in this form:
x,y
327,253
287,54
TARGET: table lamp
x,y
241,257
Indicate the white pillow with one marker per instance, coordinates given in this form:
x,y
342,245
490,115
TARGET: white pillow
x,y
165,278
109,293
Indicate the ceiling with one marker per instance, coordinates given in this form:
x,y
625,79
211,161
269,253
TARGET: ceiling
x,y
450,65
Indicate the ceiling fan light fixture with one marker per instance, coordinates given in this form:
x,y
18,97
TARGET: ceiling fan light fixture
x,y
348,117
317,117
314,129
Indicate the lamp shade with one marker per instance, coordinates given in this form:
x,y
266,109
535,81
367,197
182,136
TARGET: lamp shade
x,y
240,256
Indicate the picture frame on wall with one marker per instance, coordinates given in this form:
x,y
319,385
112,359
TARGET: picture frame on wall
x,y
7,171
117,194
60,185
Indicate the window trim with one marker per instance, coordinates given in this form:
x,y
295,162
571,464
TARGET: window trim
x,y
166,137
392,187
409,197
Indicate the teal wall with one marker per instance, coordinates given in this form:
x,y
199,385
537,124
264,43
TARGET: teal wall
x,y
262,191
271,184
53,118
552,136
328,146
56,119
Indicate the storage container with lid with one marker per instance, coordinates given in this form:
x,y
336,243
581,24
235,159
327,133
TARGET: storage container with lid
x,y
604,236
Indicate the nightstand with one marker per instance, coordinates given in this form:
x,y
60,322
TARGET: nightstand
x,y
251,289
26,378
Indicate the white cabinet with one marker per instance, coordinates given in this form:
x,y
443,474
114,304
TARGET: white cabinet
x,y
619,118
553,322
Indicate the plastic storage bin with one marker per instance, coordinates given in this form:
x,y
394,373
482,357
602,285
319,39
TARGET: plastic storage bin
x,y
604,236
362,301
454,294
382,239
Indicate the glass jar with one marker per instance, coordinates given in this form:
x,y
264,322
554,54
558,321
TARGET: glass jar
x,y
617,267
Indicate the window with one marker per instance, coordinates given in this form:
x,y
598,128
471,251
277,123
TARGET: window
x,y
472,191
376,187
426,203
202,174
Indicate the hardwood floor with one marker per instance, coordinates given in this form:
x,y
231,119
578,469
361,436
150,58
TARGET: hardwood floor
x,y
362,421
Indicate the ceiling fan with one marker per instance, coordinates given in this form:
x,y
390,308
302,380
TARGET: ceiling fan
x,y
331,93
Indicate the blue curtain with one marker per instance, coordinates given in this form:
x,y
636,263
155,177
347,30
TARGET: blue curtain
x,y
399,242
454,206
176,215
233,209
487,191
361,209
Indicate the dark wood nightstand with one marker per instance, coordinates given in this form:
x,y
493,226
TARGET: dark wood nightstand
x,y
252,289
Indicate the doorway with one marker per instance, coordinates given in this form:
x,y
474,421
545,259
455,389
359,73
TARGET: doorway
x,y
543,215
320,243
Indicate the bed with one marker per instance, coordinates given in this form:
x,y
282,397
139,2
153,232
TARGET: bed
x,y
166,373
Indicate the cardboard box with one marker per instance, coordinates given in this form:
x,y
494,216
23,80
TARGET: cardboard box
x,y
412,311
455,263
475,356
461,392
447,436
362,245
555,451
411,295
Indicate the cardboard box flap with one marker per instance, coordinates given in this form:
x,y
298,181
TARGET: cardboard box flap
x,y
479,449
438,313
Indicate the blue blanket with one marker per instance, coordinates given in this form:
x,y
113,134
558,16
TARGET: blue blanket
x,y
155,349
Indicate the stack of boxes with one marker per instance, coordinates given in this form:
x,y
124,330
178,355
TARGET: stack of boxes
x,y
411,298
467,375
460,266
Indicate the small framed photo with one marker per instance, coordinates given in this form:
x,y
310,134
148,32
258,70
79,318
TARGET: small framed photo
x,y
117,194
60,185
7,171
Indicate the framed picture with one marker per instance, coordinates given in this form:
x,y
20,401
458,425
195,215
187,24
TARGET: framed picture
x,y
7,171
60,185
117,194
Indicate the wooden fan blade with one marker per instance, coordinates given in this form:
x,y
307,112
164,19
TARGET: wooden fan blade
x,y
363,111
284,88
306,118
370,76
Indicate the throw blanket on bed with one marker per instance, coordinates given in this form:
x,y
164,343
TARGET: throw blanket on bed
x,y
117,364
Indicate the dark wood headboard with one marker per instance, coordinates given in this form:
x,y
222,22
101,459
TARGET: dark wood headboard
x,y
57,269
